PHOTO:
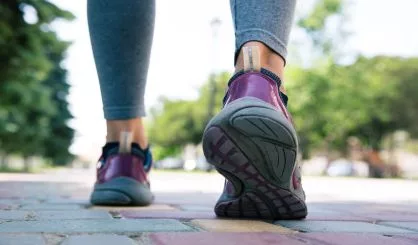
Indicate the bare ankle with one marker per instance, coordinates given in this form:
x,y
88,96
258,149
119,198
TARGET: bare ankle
x,y
268,59
135,126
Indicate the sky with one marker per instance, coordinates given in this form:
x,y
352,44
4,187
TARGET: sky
x,y
184,52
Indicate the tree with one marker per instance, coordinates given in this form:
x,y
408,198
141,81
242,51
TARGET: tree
x,y
56,147
175,123
27,104
370,99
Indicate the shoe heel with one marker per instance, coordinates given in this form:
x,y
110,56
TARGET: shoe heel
x,y
121,191
259,197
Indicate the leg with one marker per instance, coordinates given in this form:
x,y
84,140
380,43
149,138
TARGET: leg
x,y
252,141
265,24
121,35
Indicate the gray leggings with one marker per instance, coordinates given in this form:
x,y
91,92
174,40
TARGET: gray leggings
x,y
121,34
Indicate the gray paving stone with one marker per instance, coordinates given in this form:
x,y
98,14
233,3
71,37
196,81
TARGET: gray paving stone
x,y
340,226
19,201
71,214
21,239
87,226
46,206
53,215
196,208
99,239
15,214
400,224
83,202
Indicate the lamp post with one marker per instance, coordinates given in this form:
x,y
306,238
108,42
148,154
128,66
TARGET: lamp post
x,y
215,25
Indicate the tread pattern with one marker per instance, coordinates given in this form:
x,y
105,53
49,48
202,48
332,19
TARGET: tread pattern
x,y
259,198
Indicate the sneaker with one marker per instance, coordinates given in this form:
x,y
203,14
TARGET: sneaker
x,y
122,176
253,144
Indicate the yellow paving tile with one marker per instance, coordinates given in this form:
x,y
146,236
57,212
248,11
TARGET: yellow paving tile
x,y
225,225
153,207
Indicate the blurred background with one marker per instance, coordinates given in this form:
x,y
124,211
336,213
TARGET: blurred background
x,y
352,79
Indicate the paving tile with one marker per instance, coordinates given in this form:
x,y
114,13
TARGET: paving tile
x,y
16,215
71,214
45,206
336,216
99,239
211,238
388,208
7,206
168,214
229,225
197,208
390,216
11,239
87,226
153,207
339,226
406,225
350,239
61,200
187,198
53,215
410,238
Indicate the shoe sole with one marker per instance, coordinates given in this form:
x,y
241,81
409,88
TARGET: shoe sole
x,y
255,150
121,191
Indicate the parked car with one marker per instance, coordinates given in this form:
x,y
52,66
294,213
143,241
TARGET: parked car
x,y
344,167
202,164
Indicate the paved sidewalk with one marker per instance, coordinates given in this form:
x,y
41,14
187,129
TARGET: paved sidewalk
x,y
53,208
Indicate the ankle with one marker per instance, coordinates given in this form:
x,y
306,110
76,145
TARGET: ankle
x,y
135,126
268,60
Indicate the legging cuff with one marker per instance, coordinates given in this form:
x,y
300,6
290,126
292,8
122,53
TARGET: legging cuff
x,y
124,113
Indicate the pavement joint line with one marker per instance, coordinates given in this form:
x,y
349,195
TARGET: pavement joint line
x,y
194,227
384,223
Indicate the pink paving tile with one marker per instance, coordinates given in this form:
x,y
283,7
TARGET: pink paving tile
x,y
411,238
168,214
6,206
211,238
351,239
197,208
389,216
187,198
7,194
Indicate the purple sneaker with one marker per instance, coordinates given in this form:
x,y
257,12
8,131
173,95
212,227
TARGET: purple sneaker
x,y
122,178
252,142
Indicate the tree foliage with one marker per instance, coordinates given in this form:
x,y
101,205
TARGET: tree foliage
x,y
315,23
175,123
33,87
367,99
